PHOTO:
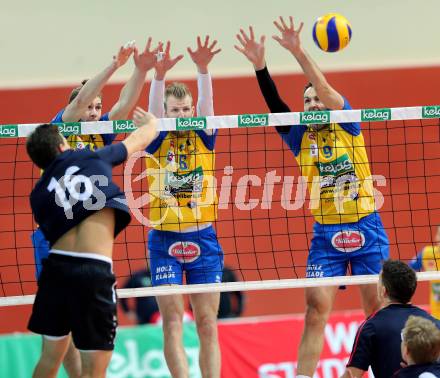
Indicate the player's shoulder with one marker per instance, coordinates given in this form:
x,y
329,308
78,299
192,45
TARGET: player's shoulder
x,y
58,117
346,105
429,250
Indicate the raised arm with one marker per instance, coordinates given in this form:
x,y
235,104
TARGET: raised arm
x,y
93,87
255,52
157,89
290,40
145,133
201,57
132,89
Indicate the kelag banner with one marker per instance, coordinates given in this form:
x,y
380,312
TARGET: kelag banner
x,y
251,348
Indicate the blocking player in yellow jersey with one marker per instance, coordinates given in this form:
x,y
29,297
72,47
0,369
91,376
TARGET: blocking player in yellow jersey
x,y
348,231
428,259
182,209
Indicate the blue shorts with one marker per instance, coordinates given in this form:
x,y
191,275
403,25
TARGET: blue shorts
x,y
364,245
41,250
197,253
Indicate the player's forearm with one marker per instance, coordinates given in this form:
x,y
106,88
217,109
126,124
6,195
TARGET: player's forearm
x,y
91,89
311,70
270,93
129,95
205,103
141,138
156,98
329,97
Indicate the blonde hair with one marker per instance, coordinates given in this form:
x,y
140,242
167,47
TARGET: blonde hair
x,y
422,339
178,90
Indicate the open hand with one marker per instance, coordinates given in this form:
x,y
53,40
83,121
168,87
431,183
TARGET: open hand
x,y
251,49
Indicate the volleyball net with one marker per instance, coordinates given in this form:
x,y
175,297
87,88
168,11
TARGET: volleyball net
x,y
264,224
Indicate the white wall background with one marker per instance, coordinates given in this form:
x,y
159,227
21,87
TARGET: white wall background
x,y
50,42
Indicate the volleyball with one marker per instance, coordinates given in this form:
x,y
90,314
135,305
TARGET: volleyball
x,y
332,32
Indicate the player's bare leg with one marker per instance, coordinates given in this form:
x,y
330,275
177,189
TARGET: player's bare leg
x,y
52,355
171,309
72,361
370,301
95,363
319,303
205,308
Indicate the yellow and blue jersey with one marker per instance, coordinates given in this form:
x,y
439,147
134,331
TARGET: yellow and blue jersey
x,y
91,142
335,164
429,260
181,171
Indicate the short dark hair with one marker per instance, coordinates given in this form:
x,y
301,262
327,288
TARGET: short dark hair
x,y
76,91
308,85
399,279
42,145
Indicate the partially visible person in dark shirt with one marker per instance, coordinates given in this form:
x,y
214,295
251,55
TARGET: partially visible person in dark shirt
x,y
420,349
378,339
145,308
231,302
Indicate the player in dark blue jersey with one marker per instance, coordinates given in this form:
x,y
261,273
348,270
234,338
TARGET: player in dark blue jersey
x,y
420,349
378,339
85,104
80,211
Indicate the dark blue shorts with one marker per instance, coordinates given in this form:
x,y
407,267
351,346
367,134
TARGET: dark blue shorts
x,y
197,253
41,250
363,245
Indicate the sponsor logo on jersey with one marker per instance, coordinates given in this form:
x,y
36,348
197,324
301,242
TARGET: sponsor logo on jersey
x,y
337,167
194,123
338,171
348,241
376,114
253,120
184,251
188,182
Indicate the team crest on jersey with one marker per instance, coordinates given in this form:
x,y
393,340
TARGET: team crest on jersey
x,y
170,155
314,149
184,251
348,241
311,136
